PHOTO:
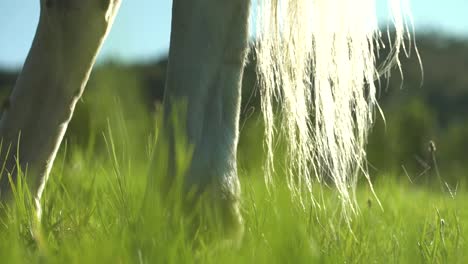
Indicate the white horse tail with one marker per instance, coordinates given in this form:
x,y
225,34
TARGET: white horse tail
x,y
318,59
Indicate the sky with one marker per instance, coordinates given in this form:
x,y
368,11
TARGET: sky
x,y
142,28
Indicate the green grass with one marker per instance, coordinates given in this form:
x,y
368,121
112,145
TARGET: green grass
x,y
93,213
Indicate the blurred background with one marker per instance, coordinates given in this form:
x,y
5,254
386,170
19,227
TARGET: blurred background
x,y
428,108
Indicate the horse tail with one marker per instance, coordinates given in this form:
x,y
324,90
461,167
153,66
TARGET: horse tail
x,y
318,60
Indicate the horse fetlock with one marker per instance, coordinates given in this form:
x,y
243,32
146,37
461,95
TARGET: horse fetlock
x,y
221,211
232,224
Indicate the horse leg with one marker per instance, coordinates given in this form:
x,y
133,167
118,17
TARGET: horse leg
x,y
68,38
209,42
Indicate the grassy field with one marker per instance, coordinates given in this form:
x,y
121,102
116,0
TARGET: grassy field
x,y
92,214
92,208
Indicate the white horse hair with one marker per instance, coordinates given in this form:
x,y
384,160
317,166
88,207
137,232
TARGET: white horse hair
x,y
319,59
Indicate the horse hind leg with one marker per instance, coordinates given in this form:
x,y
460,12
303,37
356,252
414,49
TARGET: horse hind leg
x,y
209,42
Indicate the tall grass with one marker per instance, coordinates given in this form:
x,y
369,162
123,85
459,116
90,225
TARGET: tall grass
x,y
95,210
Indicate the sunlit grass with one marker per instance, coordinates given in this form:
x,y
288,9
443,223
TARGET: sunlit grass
x,y
95,211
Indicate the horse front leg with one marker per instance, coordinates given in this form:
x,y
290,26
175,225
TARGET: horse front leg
x,y
209,43
68,38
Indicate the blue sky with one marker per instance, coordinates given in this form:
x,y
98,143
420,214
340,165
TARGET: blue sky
x,y
142,28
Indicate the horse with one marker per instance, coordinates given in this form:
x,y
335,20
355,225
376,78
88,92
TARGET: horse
x,y
317,58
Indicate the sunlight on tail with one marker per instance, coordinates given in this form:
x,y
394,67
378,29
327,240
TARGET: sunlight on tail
x,y
318,59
